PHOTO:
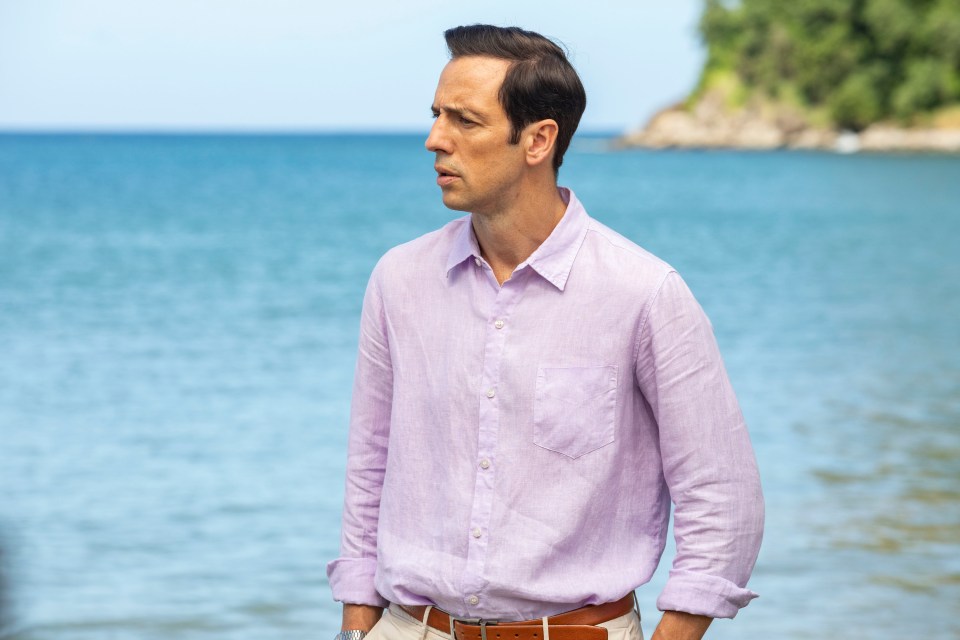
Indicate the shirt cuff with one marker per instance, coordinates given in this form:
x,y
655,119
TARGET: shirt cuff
x,y
703,595
352,581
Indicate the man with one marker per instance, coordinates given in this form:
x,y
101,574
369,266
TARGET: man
x,y
531,391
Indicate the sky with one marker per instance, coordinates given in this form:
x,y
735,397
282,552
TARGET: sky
x,y
310,65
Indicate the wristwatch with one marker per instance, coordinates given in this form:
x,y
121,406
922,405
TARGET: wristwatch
x,y
353,634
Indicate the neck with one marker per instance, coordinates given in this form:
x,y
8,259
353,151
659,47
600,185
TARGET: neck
x,y
508,237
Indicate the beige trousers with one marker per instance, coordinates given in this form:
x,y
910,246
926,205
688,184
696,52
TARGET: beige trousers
x,y
397,624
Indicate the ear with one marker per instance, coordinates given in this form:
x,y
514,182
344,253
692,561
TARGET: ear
x,y
539,139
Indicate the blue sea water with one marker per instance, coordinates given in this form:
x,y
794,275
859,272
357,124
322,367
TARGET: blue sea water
x,y
178,320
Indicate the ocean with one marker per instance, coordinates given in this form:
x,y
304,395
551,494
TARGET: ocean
x,y
178,324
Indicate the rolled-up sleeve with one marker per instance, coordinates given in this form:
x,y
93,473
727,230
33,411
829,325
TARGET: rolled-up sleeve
x,y
352,574
708,462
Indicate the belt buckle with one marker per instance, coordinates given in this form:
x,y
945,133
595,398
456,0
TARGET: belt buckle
x,y
479,622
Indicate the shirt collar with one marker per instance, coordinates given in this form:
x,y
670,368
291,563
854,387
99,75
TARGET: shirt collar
x,y
464,245
553,259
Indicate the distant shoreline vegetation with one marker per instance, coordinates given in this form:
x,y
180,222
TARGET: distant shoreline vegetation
x,y
842,74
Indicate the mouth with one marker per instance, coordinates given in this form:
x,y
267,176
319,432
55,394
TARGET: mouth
x,y
445,176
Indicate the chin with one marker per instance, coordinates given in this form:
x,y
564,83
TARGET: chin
x,y
453,203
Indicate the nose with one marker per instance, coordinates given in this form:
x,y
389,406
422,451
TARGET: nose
x,y
438,140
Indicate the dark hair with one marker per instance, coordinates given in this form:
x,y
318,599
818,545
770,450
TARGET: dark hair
x,y
540,83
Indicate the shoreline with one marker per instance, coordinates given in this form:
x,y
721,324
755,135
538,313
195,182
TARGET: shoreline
x,y
708,125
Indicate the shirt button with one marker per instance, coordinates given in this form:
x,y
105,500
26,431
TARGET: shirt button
x,y
484,464
476,261
476,533
491,392
498,324
474,600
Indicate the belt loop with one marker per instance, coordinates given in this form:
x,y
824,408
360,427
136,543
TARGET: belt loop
x,y
636,605
426,614
453,629
546,629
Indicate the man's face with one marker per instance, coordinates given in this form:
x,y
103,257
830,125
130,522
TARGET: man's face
x,y
478,169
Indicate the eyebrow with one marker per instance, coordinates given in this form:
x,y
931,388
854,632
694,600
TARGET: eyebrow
x,y
458,111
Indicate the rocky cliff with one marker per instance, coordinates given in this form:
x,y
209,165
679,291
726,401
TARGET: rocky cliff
x,y
711,124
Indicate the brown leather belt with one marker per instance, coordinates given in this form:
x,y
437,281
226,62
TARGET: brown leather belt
x,y
579,624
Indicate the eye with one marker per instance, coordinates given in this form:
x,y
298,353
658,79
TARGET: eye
x,y
467,122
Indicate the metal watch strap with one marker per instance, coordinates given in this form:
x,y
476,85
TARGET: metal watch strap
x,y
353,634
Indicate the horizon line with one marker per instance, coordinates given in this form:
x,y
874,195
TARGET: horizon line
x,y
251,132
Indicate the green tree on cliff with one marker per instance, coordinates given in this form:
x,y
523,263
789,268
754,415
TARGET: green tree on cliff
x,y
859,60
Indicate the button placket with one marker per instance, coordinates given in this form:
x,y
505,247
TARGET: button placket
x,y
489,424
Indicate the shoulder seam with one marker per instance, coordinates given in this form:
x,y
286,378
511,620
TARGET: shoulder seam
x,y
646,316
627,245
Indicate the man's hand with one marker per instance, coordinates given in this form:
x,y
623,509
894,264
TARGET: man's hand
x,y
675,625
360,616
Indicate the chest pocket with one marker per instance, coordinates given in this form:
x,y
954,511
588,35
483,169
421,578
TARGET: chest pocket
x,y
575,408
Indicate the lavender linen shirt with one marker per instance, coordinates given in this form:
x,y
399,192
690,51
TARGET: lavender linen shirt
x,y
514,449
